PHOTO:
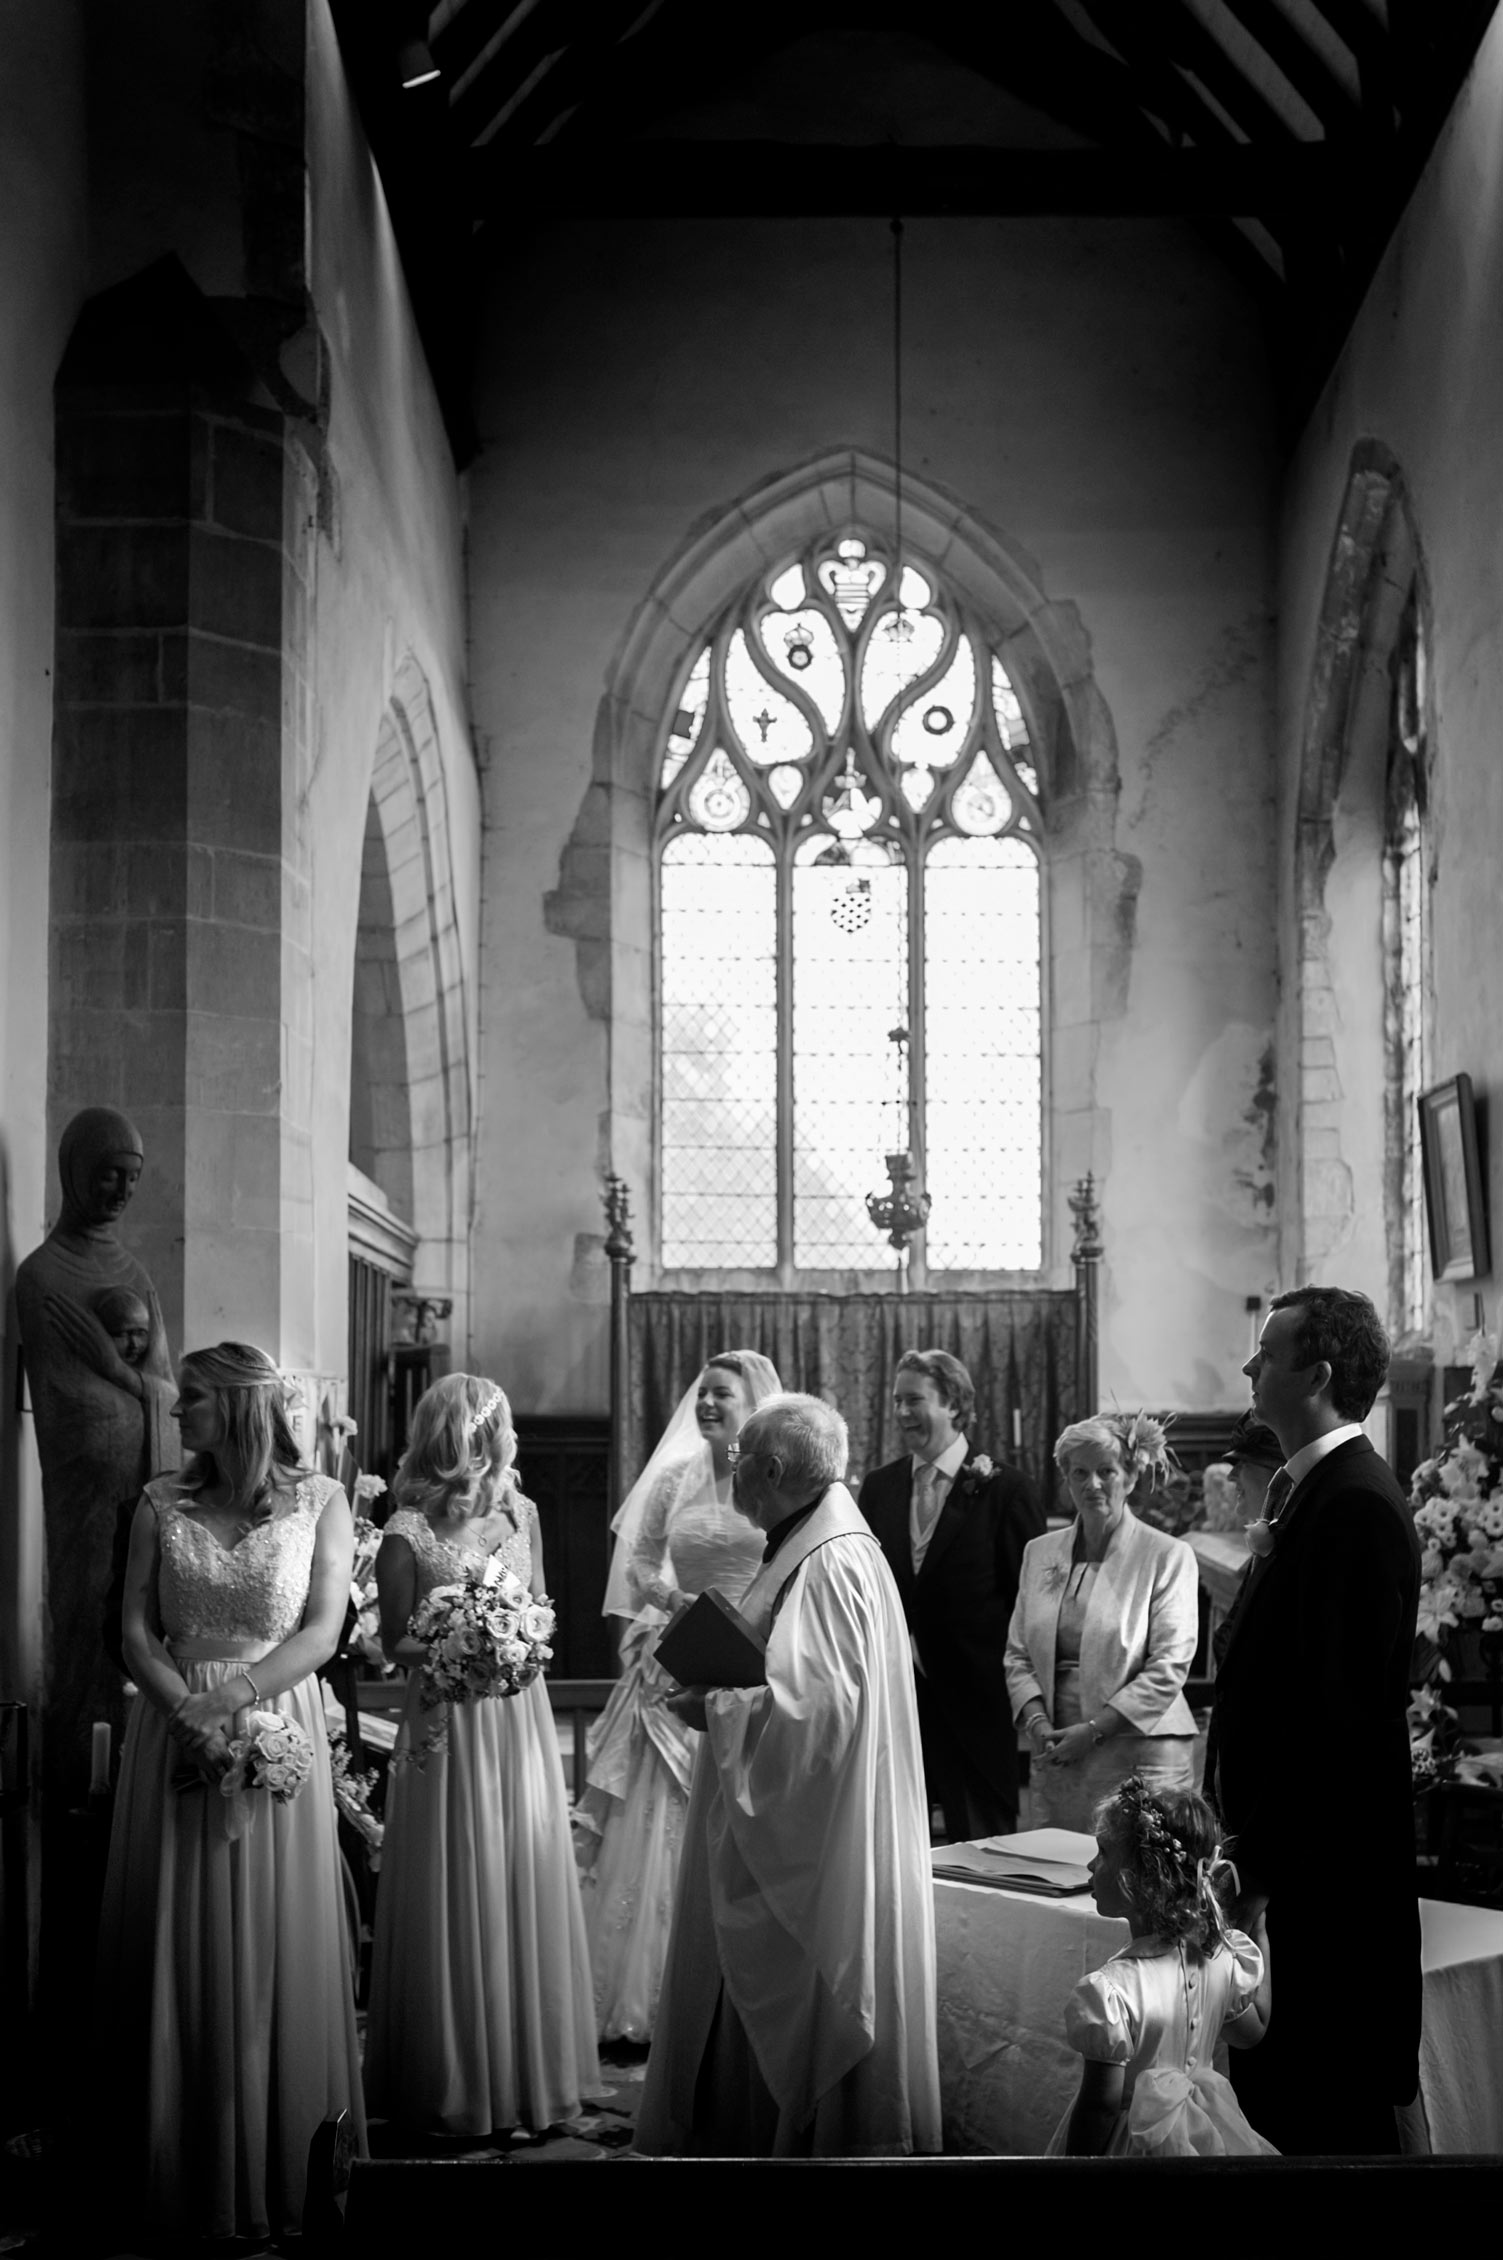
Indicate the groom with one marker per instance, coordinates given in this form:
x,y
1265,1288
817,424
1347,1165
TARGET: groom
x,y
1308,1754
953,1529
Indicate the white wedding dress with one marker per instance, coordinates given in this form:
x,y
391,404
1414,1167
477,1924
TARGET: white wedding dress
x,y
641,1759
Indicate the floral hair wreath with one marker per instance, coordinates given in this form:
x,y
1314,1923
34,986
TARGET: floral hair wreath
x,y
1144,1443
1151,1832
486,1410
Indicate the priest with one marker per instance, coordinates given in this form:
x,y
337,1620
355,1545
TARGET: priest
x,y
797,2012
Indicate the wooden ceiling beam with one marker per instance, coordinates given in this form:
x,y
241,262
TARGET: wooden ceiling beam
x,y
1160,88
553,26
1041,58
1188,43
783,180
463,37
1311,77
675,63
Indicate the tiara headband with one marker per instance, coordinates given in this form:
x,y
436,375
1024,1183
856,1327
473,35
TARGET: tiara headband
x,y
489,1404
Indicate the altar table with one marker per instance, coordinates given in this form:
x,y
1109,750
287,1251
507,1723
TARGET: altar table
x,y
1007,1963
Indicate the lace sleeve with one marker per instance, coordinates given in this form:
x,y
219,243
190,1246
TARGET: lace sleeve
x,y
648,1568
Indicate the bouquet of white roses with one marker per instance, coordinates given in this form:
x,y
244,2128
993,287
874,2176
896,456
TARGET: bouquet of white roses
x,y
272,1754
488,1636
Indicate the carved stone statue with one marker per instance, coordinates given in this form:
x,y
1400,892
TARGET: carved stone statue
x,y
101,1389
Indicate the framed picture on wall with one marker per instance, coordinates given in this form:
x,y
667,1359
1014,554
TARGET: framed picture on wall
x,y
1453,1181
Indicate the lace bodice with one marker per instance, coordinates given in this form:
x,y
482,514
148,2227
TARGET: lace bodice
x,y
255,1590
692,1544
440,1562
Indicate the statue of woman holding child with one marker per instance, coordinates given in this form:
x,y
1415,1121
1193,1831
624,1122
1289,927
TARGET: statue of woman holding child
x,y
100,1386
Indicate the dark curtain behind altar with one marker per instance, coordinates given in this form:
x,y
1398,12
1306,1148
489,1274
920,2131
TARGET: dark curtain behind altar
x,y
1018,1345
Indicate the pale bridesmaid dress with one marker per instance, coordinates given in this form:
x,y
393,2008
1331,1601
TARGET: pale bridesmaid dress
x,y
225,1966
480,2011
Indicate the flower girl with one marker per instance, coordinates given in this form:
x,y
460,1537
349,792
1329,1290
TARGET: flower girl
x,y
481,2010
1148,2021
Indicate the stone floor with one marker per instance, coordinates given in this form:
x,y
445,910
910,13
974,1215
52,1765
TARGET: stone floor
x,y
604,2125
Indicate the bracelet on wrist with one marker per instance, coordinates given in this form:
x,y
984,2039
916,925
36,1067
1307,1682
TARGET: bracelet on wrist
x,y
250,1683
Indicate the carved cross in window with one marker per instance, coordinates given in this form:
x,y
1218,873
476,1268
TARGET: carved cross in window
x,y
764,722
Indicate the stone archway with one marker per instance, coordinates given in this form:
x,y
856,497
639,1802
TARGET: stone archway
x,y
1341,1192
409,996
604,897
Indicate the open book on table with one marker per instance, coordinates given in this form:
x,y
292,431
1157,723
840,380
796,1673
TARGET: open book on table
x,y
1049,1862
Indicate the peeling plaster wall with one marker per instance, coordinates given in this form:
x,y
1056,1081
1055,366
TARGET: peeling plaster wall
x,y
1418,377
1093,394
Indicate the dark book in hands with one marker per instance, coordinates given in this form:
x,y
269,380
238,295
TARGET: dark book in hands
x,y
710,1644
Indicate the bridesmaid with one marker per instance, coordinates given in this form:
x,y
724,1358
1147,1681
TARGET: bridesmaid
x,y
225,1964
480,2011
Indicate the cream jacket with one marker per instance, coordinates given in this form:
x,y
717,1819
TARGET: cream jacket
x,y
1141,1627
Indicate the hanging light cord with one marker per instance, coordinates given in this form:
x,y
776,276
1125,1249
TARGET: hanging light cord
x,y
897,404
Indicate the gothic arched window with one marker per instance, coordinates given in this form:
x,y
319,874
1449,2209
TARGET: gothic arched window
x,y
848,839
1406,904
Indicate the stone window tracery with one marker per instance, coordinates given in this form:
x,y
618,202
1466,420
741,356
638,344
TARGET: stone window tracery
x,y
848,836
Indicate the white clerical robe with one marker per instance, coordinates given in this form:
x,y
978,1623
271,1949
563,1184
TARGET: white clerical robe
x,y
805,1910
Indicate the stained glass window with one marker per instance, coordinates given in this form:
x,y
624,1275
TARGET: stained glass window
x,y
849,833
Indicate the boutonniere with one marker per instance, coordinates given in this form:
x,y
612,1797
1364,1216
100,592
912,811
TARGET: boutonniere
x,y
974,1471
1260,1535
1055,1576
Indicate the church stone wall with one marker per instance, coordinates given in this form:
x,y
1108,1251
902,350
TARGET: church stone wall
x,y
42,281
388,655
1095,397
1416,389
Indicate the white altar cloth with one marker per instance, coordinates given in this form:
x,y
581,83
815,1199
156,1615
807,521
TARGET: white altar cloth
x,y
1007,1963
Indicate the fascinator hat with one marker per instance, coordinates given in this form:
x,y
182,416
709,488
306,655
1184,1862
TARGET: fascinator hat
x,y
681,1469
1140,1439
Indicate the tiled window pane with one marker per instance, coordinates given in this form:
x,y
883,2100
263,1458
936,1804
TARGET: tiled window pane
x,y
718,999
981,993
850,987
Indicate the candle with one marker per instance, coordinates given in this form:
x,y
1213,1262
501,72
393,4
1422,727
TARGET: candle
x,y
99,1769
1017,1429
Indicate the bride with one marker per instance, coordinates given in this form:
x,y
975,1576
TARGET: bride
x,y
676,1535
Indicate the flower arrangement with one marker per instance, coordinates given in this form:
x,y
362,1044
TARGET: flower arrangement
x,y
1458,1513
273,1754
488,1636
363,1621
1457,1499
354,1795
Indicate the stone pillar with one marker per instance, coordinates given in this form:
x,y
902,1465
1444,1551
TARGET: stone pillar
x,y
180,952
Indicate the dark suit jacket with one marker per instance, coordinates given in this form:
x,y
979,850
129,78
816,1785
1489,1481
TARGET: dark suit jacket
x,y
1308,1754
959,1606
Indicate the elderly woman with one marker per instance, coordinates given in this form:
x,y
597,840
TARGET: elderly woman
x,y
1103,1632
